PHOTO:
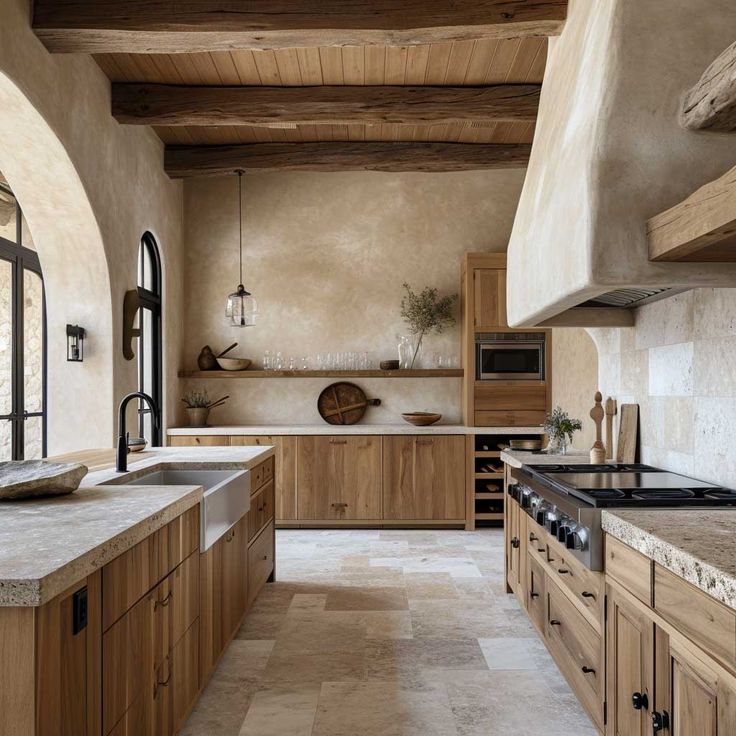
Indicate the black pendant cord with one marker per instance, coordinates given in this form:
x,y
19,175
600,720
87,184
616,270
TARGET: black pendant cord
x,y
240,220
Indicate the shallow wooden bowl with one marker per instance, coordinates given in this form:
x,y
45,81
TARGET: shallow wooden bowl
x,y
421,418
233,364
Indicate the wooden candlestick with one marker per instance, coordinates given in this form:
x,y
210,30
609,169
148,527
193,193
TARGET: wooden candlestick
x,y
611,410
598,451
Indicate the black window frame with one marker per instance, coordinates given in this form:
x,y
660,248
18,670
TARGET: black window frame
x,y
151,300
23,259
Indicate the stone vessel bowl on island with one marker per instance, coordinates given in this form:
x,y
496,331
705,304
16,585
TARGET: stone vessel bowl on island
x,y
34,478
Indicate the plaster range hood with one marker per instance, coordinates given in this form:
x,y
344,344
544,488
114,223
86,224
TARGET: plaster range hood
x,y
608,154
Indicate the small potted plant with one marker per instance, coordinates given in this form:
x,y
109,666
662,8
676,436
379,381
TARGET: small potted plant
x,y
198,407
560,430
425,312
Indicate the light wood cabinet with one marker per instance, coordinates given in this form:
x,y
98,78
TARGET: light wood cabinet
x,y
490,298
224,593
200,440
285,472
424,477
260,561
629,675
339,477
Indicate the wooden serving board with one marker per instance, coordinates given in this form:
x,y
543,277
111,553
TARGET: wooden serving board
x,y
344,403
628,431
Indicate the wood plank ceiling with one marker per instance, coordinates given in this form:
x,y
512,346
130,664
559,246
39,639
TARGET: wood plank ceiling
x,y
479,62
490,42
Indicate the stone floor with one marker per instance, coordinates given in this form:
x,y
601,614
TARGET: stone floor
x,y
387,633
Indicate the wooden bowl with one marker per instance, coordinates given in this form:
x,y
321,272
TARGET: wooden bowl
x,y
233,364
421,418
389,365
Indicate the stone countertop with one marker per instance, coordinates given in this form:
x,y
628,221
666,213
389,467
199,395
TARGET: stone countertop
x,y
518,458
356,429
699,545
49,544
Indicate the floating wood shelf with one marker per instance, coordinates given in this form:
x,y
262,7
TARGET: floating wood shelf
x,y
488,453
422,373
489,496
489,476
700,228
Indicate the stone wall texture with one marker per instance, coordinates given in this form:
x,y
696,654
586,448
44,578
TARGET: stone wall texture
x,y
679,364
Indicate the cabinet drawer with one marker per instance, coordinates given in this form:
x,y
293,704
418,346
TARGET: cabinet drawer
x,y
183,587
702,619
509,418
262,474
260,561
583,586
202,440
510,395
261,510
536,599
184,676
131,575
578,650
629,568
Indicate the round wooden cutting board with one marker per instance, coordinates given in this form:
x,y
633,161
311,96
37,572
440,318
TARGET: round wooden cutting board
x,y
344,403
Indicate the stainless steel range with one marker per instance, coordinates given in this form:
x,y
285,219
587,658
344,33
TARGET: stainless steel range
x,y
567,499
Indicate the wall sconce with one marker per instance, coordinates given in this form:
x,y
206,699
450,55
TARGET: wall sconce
x,y
75,343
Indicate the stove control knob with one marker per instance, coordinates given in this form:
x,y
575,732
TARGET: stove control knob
x,y
552,523
563,527
514,491
570,536
581,539
526,498
540,513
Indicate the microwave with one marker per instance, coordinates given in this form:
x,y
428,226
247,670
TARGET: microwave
x,y
510,356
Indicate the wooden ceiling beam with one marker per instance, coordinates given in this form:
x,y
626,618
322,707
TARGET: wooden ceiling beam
x,y
161,104
711,103
166,26
187,161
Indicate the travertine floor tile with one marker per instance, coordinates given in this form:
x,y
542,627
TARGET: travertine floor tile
x,y
387,633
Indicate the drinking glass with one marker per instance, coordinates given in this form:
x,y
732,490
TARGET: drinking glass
x,y
267,360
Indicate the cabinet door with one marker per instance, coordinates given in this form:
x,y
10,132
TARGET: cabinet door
x,y
339,477
490,297
423,477
202,440
630,661
536,599
285,471
234,577
694,695
184,676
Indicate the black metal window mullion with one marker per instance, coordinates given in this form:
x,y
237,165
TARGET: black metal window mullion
x,y
22,259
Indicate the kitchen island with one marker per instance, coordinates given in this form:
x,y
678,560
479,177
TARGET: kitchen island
x,y
115,620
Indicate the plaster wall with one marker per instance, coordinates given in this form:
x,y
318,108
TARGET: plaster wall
x,y
89,189
677,363
326,254
609,152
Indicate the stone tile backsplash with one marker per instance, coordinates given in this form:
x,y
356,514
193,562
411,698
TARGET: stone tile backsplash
x,y
679,364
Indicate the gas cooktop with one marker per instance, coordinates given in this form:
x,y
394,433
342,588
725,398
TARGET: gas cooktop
x,y
613,484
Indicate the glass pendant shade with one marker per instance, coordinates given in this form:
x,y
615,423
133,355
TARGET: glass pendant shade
x,y
242,308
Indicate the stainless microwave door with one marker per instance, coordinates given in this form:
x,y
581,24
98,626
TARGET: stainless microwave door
x,y
516,361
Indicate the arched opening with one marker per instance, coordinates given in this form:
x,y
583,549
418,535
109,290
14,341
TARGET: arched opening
x,y
150,347
71,253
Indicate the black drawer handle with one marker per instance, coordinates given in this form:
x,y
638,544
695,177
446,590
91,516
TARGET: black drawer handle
x,y
588,670
555,622
515,542
586,594
533,595
533,537
338,442
639,701
340,505
541,549
563,571
660,721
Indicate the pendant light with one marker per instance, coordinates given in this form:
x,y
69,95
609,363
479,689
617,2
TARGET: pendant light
x,y
242,309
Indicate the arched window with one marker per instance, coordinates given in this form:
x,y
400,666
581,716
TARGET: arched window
x,y
22,337
150,352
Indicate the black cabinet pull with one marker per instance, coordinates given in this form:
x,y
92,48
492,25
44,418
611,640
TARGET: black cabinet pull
x,y
588,670
660,721
541,549
533,595
639,701
586,594
515,542
165,602
532,537
555,622
562,571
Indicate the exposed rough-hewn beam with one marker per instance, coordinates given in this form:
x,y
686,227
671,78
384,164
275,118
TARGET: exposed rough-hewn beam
x,y
700,228
711,103
160,104
185,161
168,26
